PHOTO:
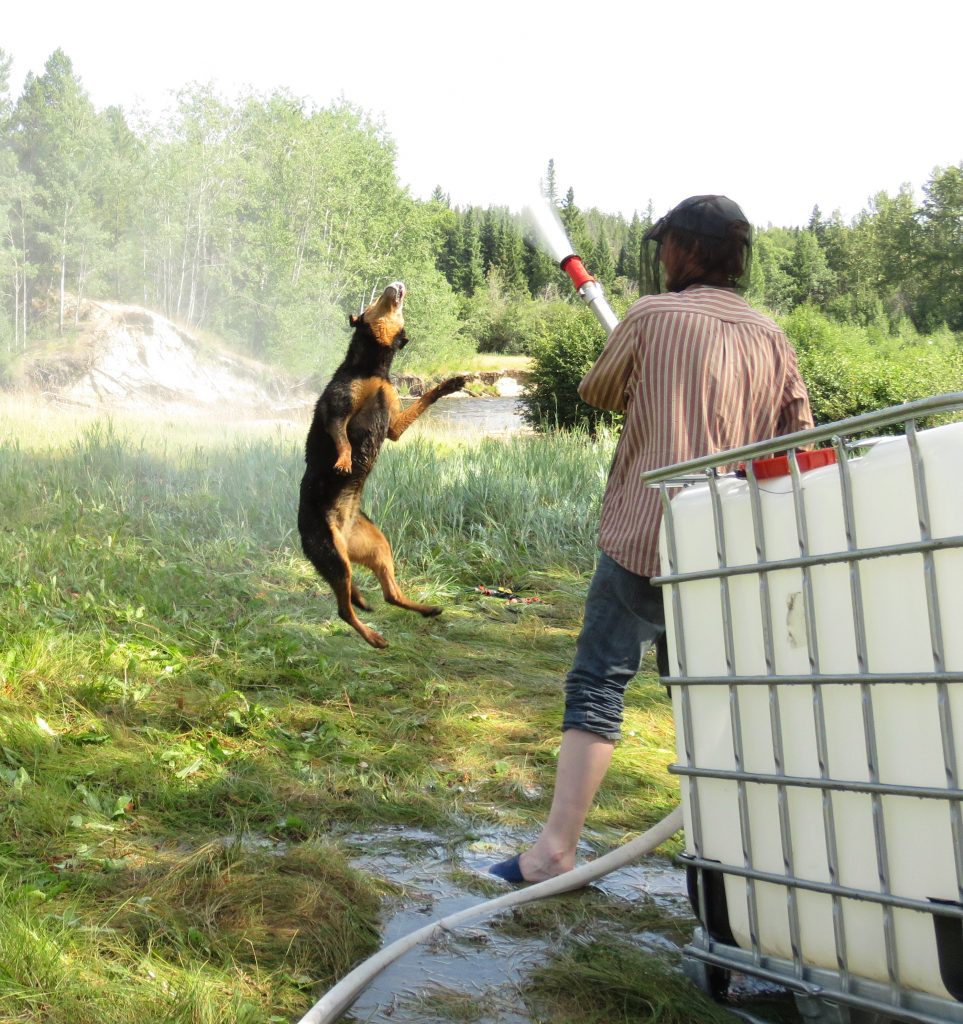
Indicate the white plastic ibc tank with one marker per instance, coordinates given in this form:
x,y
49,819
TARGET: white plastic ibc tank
x,y
905,717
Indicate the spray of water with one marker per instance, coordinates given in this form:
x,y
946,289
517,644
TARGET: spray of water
x,y
547,228
543,218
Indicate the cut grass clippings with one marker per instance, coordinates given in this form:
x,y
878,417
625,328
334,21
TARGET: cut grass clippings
x,y
601,981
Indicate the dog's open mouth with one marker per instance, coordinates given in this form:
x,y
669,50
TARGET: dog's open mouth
x,y
395,292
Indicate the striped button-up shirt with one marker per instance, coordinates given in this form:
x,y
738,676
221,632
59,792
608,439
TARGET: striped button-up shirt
x,y
695,372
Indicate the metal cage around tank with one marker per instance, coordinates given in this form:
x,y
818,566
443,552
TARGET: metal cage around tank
x,y
815,634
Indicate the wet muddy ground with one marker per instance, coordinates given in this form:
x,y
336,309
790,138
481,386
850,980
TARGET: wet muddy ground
x,y
484,966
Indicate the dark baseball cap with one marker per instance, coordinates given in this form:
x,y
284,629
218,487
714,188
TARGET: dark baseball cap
x,y
700,215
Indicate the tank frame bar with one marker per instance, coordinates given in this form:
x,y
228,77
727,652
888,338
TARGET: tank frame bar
x,y
817,986
821,986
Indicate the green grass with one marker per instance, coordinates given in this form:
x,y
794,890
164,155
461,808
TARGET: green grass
x,y
603,980
186,727
499,361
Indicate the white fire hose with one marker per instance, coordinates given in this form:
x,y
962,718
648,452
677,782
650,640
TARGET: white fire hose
x,y
338,999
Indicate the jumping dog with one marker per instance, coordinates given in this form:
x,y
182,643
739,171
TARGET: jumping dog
x,y
357,410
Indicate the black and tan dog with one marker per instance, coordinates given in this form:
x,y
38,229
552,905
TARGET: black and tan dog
x,y
358,409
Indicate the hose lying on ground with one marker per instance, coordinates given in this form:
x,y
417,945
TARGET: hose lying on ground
x,y
338,999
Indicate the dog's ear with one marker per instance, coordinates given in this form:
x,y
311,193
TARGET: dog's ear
x,y
353,320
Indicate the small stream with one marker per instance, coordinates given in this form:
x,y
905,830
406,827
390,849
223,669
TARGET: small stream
x,y
475,416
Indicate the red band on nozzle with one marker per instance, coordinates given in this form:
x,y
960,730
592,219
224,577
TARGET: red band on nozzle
x,y
573,266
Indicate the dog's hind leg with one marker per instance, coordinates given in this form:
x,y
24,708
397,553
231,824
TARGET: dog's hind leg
x,y
368,546
358,600
327,550
345,591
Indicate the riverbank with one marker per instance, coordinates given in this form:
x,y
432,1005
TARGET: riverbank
x,y
505,383
124,358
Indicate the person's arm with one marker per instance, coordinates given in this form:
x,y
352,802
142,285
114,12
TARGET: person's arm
x,y
794,410
604,385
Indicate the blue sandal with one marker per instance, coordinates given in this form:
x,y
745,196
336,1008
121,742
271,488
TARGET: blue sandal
x,y
510,870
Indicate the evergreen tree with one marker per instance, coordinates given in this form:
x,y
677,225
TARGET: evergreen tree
x,y
816,224
448,259
471,270
550,186
574,225
59,141
541,271
510,258
488,239
631,251
941,256
811,276
833,239
602,265
898,242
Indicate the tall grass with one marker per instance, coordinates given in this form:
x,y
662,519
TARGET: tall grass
x,y
186,727
490,507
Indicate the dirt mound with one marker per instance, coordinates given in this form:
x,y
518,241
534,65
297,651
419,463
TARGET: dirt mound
x,y
131,358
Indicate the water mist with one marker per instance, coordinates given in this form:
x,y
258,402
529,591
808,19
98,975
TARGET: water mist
x,y
552,235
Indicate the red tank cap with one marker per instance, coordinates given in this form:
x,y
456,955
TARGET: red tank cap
x,y
778,465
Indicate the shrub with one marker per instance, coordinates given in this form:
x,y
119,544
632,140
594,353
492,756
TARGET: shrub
x,y
501,320
850,370
568,342
438,339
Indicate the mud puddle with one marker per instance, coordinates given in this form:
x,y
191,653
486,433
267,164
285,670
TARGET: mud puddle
x,y
484,966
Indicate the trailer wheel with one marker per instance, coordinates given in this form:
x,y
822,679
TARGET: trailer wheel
x,y
712,980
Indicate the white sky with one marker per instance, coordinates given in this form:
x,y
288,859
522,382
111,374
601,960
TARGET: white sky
x,y
779,105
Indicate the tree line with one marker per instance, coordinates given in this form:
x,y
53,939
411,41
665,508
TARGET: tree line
x,y
266,220
263,220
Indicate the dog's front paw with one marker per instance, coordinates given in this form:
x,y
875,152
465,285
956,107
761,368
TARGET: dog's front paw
x,y
343,465
451,385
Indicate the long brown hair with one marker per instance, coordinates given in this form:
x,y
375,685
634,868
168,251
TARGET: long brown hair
x,y
705,259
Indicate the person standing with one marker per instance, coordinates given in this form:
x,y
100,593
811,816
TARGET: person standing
x,y
696,370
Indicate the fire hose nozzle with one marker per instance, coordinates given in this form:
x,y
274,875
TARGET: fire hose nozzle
x,y
590,291
575,268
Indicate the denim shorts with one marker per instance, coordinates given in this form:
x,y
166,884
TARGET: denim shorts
x,y
623,618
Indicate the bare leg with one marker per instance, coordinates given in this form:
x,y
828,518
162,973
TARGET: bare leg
x,y
583,760
623,616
